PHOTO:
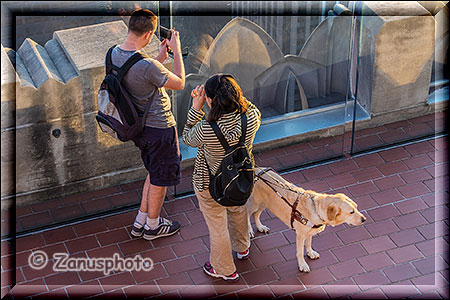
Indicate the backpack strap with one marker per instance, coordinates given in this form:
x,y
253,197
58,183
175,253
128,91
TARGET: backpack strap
x,y
244,128
128,64
108,62
219,135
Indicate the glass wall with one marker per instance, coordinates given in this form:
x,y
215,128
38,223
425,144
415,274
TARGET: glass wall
x,y
330,78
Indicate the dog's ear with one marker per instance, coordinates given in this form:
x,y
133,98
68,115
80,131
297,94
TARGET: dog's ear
x,y
332,212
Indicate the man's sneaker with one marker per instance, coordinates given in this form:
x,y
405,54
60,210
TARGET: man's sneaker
x,y
243,255
165,228
211,272
137,230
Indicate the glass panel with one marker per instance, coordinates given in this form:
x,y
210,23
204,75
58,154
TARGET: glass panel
x,y
291,60
402,83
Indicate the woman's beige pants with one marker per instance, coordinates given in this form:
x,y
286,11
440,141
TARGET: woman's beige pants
x,y
224,223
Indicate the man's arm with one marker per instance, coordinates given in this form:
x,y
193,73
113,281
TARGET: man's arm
x,y
176,78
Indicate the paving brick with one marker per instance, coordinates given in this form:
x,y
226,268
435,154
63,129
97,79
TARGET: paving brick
x,y
141,291
116,281
410,205
346,269
85,289
260,276
313,293
394,154
35,220
316,172
126,198
418,162
384,212
288,252
189,247
374,278
354,234
107,251
172,282
375,261
258,292
178,206
341,288
90,227
195,216
413,190
180,265
393,168
381,228
170,240
61,279
427,247
26,289
65,213
326,241
419,148
326,259
266,258
343,166
415,176
404,254
369,294
270,241
400,290
411,220
406,237
29,242
389,182
194,231
368,142
134,246
362,189
349,252
369,160
369,173
120,220
58,235
112,236
401,272
317,154
117,293
364,203
340,180
192,292
82,244
97,205
147,277
387,196
286,286
430,265
32,273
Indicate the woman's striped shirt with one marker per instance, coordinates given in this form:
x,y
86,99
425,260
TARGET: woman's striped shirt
x,y
198,133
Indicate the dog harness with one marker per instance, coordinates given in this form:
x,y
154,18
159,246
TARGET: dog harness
x,y
295,214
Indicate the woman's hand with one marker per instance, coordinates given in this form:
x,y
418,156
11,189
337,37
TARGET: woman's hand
x,y
198,97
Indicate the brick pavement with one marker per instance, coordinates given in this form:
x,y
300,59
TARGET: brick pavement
x,y
401,251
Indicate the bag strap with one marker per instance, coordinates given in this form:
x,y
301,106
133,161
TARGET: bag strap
x,y
244,128
219,135
222,139
125,67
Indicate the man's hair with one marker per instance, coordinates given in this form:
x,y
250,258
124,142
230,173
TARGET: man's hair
x,y
142,21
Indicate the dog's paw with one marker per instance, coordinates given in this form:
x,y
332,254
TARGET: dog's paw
x,y
303,267
263,229
313,254
251,233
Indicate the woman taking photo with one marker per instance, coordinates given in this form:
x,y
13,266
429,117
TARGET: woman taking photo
x,y
227,225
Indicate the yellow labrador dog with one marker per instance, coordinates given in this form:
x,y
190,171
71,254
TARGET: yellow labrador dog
x,y
307,212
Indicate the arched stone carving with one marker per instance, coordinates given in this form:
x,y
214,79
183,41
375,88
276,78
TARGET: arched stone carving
x,y
243,49
272,83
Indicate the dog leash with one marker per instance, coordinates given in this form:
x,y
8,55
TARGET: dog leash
x,y
295,214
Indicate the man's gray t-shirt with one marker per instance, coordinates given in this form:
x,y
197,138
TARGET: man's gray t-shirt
x,y
145,81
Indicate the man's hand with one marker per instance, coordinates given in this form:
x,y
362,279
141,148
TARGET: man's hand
x,y
162,56
198,97
174,42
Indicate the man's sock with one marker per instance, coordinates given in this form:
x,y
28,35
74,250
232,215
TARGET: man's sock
x,y
140,218
152,223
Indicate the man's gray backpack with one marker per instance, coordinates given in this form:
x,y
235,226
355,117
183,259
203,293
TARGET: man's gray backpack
x,y
117,115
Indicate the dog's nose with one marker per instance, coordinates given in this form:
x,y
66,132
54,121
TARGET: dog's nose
x,y
363,219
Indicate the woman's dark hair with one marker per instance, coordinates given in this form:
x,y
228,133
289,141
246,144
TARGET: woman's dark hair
x,y
142,21
226,96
